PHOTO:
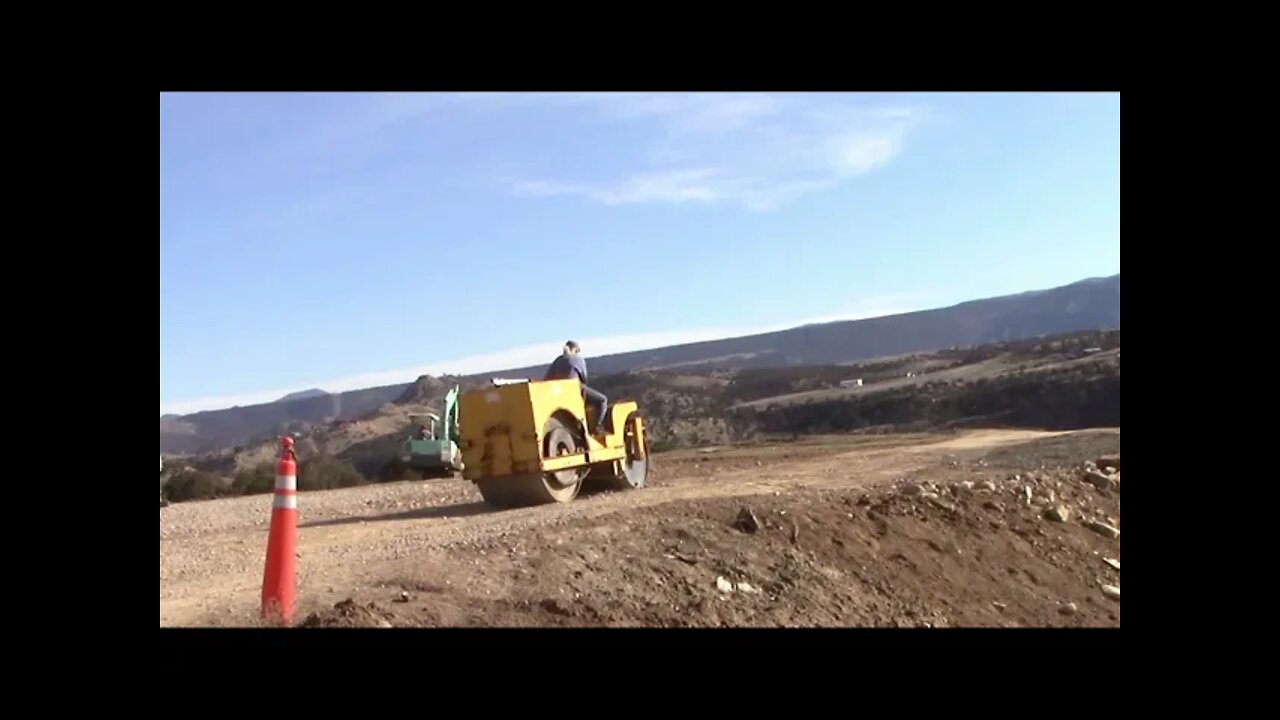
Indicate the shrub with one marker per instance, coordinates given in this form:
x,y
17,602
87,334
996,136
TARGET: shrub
x,y
193,485
658,446
395,470
257,480
174,467
325,472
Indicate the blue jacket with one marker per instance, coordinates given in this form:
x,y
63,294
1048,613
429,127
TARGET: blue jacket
x,y
565,366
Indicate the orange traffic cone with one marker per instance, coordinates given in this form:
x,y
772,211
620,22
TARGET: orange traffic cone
x,y
279,580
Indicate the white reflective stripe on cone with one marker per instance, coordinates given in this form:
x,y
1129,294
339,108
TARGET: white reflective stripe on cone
x,y
285,502
286,482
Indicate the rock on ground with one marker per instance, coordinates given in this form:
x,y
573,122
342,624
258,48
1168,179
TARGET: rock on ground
x,y
1103,528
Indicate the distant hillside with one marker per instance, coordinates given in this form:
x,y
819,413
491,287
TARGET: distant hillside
x,y
304,395
1061,382
1086,305
219,429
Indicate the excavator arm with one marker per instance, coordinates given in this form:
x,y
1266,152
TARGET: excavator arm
x,y
451,431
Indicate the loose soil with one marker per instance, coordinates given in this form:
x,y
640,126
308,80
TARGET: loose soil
x,y
980,528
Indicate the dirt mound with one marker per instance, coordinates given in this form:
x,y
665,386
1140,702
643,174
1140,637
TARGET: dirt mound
x,y
997,549
348,614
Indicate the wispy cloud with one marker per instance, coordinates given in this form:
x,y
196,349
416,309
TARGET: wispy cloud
x,y
758,151
689,185
543,352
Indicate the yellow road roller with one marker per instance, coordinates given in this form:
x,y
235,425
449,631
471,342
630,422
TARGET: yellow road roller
x,y
525,443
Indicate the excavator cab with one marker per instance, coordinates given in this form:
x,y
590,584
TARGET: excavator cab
x,y
432,447
426,425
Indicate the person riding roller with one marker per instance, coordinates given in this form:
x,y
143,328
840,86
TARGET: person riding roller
x,y
570,363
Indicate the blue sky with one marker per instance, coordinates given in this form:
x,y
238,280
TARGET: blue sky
x,y
347,240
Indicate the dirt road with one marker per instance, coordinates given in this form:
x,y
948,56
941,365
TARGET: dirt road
x,y
835,542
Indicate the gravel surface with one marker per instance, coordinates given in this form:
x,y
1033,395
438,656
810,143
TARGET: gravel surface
x,y
375,543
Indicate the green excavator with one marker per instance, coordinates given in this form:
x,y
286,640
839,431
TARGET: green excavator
x,y
432,449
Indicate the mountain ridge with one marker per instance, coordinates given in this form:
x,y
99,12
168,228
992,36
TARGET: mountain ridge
x,y
1088,304
304,395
